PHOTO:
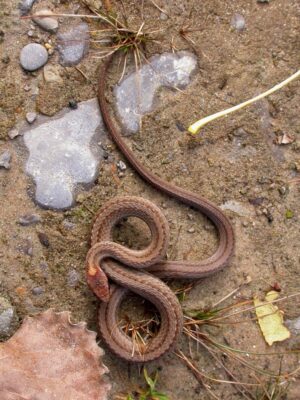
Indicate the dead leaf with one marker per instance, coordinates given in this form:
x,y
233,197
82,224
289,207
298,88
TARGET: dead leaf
x,y
285,139
270,319
50,358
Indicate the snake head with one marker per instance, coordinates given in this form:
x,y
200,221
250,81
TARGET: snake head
x,y
98,282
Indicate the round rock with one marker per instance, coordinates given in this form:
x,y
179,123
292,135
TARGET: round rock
x,y
33,56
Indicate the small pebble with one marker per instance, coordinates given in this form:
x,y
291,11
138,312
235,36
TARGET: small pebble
x,y
238,22
33,56
29,219
25,6
240,132
37,291
121,165
73,104
72,278
180,126
5,159
256,201
191,230
26,247
31,117
47,23
163,16
43,238
30,33
68,225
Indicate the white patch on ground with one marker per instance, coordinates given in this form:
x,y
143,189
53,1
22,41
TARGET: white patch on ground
x,y
136,93
60,156
238,208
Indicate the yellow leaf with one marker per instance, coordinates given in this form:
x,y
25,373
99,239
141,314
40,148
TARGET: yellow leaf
x,y
270,319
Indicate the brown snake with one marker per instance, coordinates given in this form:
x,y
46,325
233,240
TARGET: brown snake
x,y
113,257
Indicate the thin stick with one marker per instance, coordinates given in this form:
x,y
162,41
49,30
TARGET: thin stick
x,y
194,128
226,297
160,9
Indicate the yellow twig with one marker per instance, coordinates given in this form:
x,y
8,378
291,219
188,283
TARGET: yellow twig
x,y
194,128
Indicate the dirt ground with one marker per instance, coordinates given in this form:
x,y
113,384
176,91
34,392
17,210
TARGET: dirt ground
x,y
233,159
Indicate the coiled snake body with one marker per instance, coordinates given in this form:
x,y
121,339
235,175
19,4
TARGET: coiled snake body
x,y
107,259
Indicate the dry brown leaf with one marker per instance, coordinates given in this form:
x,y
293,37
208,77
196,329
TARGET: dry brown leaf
x,y
50,358
285,139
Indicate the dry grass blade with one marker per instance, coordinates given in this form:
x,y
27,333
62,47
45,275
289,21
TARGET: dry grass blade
x,y
159,8
276,381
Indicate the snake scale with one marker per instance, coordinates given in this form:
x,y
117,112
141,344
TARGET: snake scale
x,y
140,271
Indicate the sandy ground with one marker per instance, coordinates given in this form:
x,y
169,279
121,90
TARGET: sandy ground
x,y
234,159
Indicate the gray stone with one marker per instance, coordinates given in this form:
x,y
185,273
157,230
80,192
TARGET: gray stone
x,y
136,93
60,154
29,219
14,133
33,56
72,278
73,45
47,23
238,22
8,318
68,225
37,291
25,6
31,117
5,159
